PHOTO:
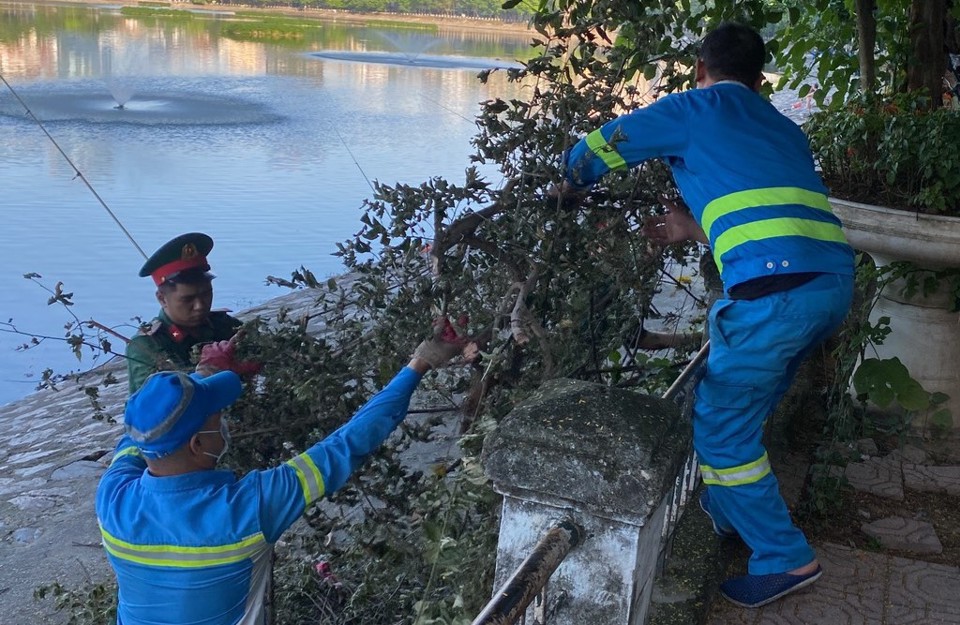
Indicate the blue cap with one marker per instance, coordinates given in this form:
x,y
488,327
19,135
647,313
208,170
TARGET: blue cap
x,y
171,407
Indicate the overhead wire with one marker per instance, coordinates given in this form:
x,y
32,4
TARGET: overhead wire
x,y
78,173
354,158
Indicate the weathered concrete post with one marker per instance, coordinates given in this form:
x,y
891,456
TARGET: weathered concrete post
x,y
606,459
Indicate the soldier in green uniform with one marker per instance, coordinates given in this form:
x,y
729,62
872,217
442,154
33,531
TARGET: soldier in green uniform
x,y
185,292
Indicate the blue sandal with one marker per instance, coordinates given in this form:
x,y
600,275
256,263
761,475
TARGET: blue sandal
x,y
753,591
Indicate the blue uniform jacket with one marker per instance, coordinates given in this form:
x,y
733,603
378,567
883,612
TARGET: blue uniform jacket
x,y
745,171
195,549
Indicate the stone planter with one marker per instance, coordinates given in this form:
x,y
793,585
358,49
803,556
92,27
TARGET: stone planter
x,y
925,333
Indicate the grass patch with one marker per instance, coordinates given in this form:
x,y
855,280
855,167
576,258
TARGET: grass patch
x,y
250,27
431,28
277,19
142,11
243,31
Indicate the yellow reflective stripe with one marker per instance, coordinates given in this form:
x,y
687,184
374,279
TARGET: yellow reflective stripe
x,y
183,557
311,480
736,476
772,228
752,198
607,153
126,451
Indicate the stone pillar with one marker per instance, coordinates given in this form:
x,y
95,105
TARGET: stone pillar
x,y
606,459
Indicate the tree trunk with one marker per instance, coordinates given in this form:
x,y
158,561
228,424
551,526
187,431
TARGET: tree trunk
x,y
951,35
867,35
927,61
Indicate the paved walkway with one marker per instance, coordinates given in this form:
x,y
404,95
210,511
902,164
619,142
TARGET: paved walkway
x,y
861,588
873,588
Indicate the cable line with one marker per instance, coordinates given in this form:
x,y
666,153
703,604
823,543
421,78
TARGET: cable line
x,y
354,158
79,174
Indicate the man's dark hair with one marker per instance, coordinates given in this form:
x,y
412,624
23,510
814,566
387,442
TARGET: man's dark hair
x,y
733,52
189,276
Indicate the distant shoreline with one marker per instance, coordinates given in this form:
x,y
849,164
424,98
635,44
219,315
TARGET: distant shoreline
x,y
328,15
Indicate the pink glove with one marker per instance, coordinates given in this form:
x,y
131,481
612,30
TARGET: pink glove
x,y
221,356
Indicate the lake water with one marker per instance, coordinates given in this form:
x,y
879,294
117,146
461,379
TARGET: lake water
x,y
265,147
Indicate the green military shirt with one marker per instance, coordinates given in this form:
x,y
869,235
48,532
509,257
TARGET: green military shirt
x,y
165,347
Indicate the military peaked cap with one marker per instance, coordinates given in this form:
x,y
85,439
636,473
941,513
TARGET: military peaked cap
x,y
187,251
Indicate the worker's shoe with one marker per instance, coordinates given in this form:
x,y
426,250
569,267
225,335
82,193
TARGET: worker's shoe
x,y
753,591
723,531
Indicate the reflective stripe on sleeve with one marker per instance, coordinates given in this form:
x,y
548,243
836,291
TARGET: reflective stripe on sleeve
x,y
772,228
770,196
126,451
736,476
184,557
607,153
311,480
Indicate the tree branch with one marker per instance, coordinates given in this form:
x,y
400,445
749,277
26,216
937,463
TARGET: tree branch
x,y
516,315
446,238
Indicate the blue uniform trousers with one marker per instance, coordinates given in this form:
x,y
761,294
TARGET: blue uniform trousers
x,y
756,347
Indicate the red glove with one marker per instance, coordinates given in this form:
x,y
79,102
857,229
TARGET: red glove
x,y
447,342
221,356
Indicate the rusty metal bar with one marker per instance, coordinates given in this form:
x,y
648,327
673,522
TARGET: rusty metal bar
x,y
531,576
688,372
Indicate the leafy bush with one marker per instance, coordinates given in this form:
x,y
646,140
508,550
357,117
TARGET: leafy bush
x,y
893,153
92,604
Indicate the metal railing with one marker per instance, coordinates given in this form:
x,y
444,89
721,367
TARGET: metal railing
x,y
681,392
530,579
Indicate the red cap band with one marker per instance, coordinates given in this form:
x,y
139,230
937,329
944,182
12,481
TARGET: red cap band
x,y
164,273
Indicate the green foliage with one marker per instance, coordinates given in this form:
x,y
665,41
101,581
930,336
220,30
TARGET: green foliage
x,y
422,560
876,143
887,382
93,604
874,544
147,11
399,543
883,383
825,494
878,383
399,25
271,29
893,153
818,41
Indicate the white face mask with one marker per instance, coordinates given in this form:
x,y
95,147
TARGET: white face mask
x,y
224,433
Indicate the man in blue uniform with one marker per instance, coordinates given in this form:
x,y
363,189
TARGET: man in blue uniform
x,y
181,272
747,178
190,544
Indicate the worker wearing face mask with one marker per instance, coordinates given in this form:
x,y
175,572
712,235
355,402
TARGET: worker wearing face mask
x,y
191,544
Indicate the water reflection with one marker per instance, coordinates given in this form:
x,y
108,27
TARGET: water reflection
x,y
92,104
417,60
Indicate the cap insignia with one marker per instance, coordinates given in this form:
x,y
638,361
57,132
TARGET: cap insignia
x,y
189,251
